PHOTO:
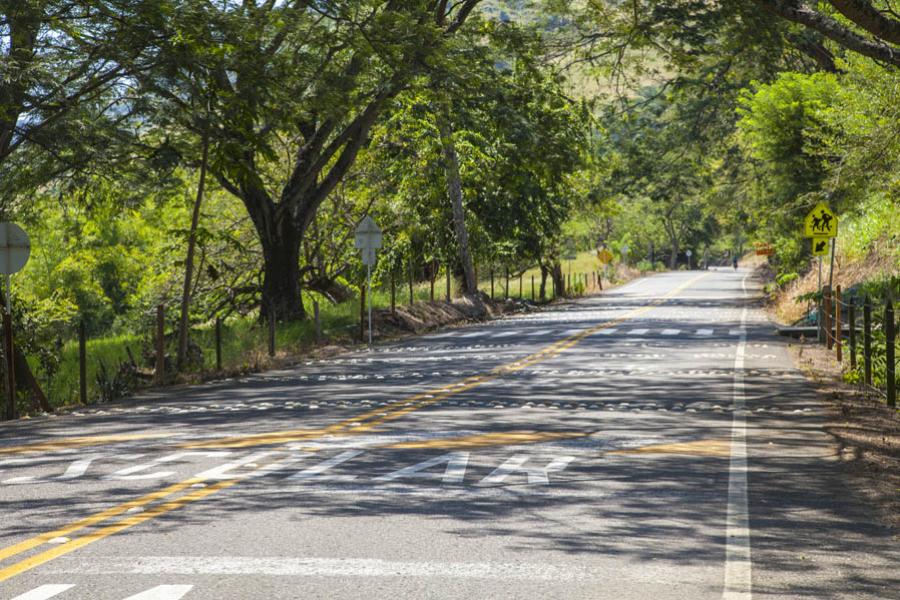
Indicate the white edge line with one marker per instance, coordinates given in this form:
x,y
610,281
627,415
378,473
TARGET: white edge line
x,y
738,562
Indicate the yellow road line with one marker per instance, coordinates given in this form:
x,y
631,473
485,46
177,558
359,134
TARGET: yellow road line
x,y
481,440
79,442
718,448
43,557
351,426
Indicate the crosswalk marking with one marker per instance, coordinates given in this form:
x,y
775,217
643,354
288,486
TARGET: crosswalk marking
x,y
638,331
163,592
671,331
704,332
507,333
608,331
45,591
737,332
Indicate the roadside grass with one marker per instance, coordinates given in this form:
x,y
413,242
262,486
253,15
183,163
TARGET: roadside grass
x,y
245,340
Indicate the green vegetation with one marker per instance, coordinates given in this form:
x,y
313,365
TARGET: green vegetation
x,y
216,157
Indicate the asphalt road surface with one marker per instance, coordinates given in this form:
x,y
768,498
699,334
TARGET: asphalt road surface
x,y
653,442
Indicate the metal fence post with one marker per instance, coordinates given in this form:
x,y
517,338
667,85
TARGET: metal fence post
x,y
82,362
838,339
851,326
867,340
890,335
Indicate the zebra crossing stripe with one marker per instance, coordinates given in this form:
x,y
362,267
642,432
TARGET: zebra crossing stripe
x,y
163,592
704,332
671,331
607,331
45,591
507,334
638,332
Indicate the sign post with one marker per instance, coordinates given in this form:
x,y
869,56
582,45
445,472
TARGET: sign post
x,y
821,225
689,254
368,240
15,248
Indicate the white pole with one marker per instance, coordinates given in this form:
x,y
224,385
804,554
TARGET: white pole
x,y
369,277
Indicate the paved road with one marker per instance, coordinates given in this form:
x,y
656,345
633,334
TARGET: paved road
x,y
650,443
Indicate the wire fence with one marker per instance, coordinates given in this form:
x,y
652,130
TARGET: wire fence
x,y
870,347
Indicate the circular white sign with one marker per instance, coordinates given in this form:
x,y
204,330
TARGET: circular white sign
x,y
689,253
15,248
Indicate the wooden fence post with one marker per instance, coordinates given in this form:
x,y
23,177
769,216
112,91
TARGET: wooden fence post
x,y
82,362
520,285
867,341
317,321
411,299
838,339
160,344
890,335
393,297
532,288
829,338
851,326
271,332
218,343
448,282
506,289
492,283
433,276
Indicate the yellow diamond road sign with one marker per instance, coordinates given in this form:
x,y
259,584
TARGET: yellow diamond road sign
x,y
820,222
820,246
604,256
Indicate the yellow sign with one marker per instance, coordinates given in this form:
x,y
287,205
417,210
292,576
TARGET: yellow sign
x,y
820,246
604,256
820,222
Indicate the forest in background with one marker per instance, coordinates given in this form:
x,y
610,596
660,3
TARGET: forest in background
x,y
218,156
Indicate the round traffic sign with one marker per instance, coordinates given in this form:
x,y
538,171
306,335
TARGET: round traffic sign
x,y
689,253
15,248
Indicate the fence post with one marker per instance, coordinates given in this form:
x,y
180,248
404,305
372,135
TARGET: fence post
x,y
520,285
393,297
532,288
82,362
506,289
432,278
218,343
867,340
160,343
318,321
362,312
890,345
599,282
448,283
838,339
411,299
492,283
271,332
851,325
829,339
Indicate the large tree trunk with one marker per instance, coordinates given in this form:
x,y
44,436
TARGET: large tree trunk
x,y
454,191
281,280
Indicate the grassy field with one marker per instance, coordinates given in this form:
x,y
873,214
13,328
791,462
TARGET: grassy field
x,y
245,341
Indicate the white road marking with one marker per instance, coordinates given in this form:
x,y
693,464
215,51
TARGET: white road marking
x,y
638,332
128,473
163,592
504,334
351,567
738,561
45,591
317,471
536,475
454,473
542,332
222,471
472,334
608,331
704,332
737,332
671,331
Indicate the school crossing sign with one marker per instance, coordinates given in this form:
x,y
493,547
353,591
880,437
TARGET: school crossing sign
x,y
821,222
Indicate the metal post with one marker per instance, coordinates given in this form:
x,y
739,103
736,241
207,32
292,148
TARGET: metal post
x,y
820,322
82,362
369,288
8,352
890,335
838,339
218,343
867,341
160,343
318,321
362,312
851,326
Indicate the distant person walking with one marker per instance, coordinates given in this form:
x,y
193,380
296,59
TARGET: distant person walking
x,y
734,262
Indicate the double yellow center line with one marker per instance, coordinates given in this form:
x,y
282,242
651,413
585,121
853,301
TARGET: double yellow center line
x,y
353,426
